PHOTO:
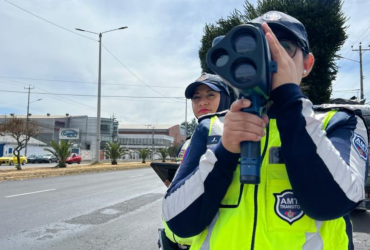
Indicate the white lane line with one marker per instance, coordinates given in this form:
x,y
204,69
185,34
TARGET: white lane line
x,y
30,193
136,176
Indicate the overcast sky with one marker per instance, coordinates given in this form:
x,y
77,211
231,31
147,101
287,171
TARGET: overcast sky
x,y
159,49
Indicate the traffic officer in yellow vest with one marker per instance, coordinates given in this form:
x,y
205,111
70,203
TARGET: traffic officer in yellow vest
x,y
209,94
312,173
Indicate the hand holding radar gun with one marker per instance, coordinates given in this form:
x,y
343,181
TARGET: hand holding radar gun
x,y
243,59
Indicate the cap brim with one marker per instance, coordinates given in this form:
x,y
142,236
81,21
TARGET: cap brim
x,y
189,91
280,26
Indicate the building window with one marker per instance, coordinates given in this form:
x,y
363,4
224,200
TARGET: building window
x,y
104,127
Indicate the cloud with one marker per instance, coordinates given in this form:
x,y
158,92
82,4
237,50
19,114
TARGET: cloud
x,y
160,47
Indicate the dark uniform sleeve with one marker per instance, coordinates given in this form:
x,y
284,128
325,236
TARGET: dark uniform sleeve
x,y
326,168
194,197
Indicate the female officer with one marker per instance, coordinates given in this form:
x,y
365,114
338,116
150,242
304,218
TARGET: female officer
x,y
209,95
312,173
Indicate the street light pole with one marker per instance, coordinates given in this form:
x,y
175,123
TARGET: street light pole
x,y
28,111
98,122
98,119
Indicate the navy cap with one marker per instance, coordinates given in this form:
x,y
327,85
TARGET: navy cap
x,y
286,23
213,81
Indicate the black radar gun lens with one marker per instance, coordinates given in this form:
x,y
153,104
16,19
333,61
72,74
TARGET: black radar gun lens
x,y
244,43
243,59
244,73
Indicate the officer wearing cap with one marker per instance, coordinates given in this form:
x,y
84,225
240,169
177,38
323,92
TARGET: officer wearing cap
x,y
209,96
312,174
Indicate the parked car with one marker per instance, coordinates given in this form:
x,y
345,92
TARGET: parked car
x,y
12,159
74,158
49,158
35,159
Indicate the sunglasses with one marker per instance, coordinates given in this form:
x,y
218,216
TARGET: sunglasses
x,y
290,47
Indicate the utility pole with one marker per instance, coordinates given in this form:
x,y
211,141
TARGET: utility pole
x,y
361,51
98,119
153,143
113,119
27,119
186,118
147,136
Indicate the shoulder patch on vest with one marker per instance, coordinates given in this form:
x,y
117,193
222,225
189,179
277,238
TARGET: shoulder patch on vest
x,y
287,207
213,139
360,145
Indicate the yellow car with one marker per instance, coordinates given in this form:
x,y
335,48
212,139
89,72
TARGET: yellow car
x,y
12,159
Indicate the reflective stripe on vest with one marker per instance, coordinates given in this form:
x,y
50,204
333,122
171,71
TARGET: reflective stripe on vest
x,y
281,224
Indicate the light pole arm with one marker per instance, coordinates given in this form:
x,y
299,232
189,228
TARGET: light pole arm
x,y
87,31
124,27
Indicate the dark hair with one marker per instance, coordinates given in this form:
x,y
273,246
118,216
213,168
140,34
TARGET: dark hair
x,y
224,101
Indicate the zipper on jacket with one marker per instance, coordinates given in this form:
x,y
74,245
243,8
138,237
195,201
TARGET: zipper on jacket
x,y
255,216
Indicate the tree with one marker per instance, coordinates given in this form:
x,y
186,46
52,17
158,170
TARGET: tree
x,y
21,131
143,154
61,151
163,152
172,151
190,127
114,151
325,16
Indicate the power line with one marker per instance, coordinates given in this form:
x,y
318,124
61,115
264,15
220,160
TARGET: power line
x,y
133,73
85,95
346,90
90,39
64,99
67,100
117,84
49,21
348,59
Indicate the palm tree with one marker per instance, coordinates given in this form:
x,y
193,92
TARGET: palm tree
x,y
61,151
114,151
164,153
143,154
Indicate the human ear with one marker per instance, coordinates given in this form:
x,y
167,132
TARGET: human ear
x,y
308,63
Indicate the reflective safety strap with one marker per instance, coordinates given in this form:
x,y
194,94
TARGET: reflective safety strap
x,y
328,117
314,240
207,242
213,119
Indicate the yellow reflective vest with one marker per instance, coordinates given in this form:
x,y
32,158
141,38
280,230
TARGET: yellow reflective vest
x,y
268,216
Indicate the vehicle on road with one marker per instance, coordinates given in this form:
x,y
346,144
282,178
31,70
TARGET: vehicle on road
x,y
49,158
35,159
74,158
12,159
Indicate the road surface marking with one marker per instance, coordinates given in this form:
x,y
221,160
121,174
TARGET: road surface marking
x,y
136,176
30,193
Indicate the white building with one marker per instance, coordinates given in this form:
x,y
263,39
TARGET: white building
x,y
34,147
136,137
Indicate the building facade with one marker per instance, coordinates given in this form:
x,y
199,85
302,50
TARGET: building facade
x,y
82,131
136,137
85,139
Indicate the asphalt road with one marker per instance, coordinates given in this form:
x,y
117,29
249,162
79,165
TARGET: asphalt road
x,y
115,210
